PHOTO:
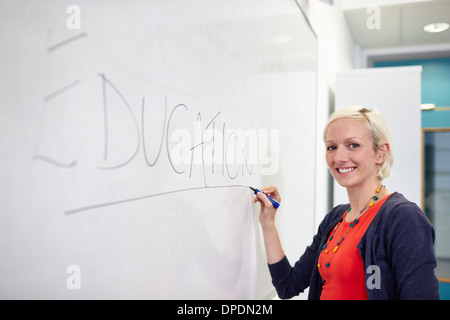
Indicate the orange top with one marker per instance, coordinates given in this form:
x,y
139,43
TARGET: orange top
x,y
345,275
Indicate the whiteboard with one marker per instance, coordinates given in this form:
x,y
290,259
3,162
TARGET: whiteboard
x,y
130,131
395,92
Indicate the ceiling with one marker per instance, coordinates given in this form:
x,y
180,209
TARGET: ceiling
x,y
401,22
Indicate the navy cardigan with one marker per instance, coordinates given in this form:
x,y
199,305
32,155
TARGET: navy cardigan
x,y
399,241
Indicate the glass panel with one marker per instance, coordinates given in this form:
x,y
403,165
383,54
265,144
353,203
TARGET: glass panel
x,y
437,194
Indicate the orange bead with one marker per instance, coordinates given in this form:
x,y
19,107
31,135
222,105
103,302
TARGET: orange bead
x,y
335,248
371,204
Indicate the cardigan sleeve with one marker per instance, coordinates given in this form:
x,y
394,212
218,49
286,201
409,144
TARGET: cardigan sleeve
x,y
410,243
291,281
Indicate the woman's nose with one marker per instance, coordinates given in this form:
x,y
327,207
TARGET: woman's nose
x,y
340,156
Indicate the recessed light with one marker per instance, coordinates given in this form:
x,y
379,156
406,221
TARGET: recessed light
x,y
427,106
436,27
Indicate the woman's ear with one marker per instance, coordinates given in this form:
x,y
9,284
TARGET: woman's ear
x,y
383,150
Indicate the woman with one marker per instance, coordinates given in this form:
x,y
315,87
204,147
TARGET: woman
x,y
379,246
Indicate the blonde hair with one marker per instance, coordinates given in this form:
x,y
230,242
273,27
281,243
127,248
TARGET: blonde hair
x,y
378,128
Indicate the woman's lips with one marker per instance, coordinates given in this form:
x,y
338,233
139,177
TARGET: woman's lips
x,y
345,170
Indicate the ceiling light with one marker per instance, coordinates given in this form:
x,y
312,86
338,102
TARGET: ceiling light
x,y
427,106
436,27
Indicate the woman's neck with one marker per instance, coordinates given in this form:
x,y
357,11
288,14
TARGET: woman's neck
x,y
360,196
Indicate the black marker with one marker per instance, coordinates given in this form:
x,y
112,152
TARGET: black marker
x,y
275,203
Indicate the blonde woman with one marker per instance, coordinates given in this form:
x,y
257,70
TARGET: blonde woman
x,y
378,246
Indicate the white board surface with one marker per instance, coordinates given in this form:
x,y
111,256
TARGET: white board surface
x,y
129,131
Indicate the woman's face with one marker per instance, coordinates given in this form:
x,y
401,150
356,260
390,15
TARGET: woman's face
x,y
350,154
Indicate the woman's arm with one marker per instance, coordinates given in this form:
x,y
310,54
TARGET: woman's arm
x,y
410,247
274,250
289,281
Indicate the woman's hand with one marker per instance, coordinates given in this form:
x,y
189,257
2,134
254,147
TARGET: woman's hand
x,y
274,250
267,213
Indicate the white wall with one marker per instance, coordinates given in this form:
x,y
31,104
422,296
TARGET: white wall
x,y
336,52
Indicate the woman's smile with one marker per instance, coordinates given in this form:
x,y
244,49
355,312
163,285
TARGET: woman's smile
x,y
344,171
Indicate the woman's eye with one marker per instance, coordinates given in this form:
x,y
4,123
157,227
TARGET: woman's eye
x,y
331,148
353,145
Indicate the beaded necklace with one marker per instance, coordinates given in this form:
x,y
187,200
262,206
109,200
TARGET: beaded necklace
x,y
369,204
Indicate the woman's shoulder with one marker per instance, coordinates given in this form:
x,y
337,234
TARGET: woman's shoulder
x,y
398,209
398,203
